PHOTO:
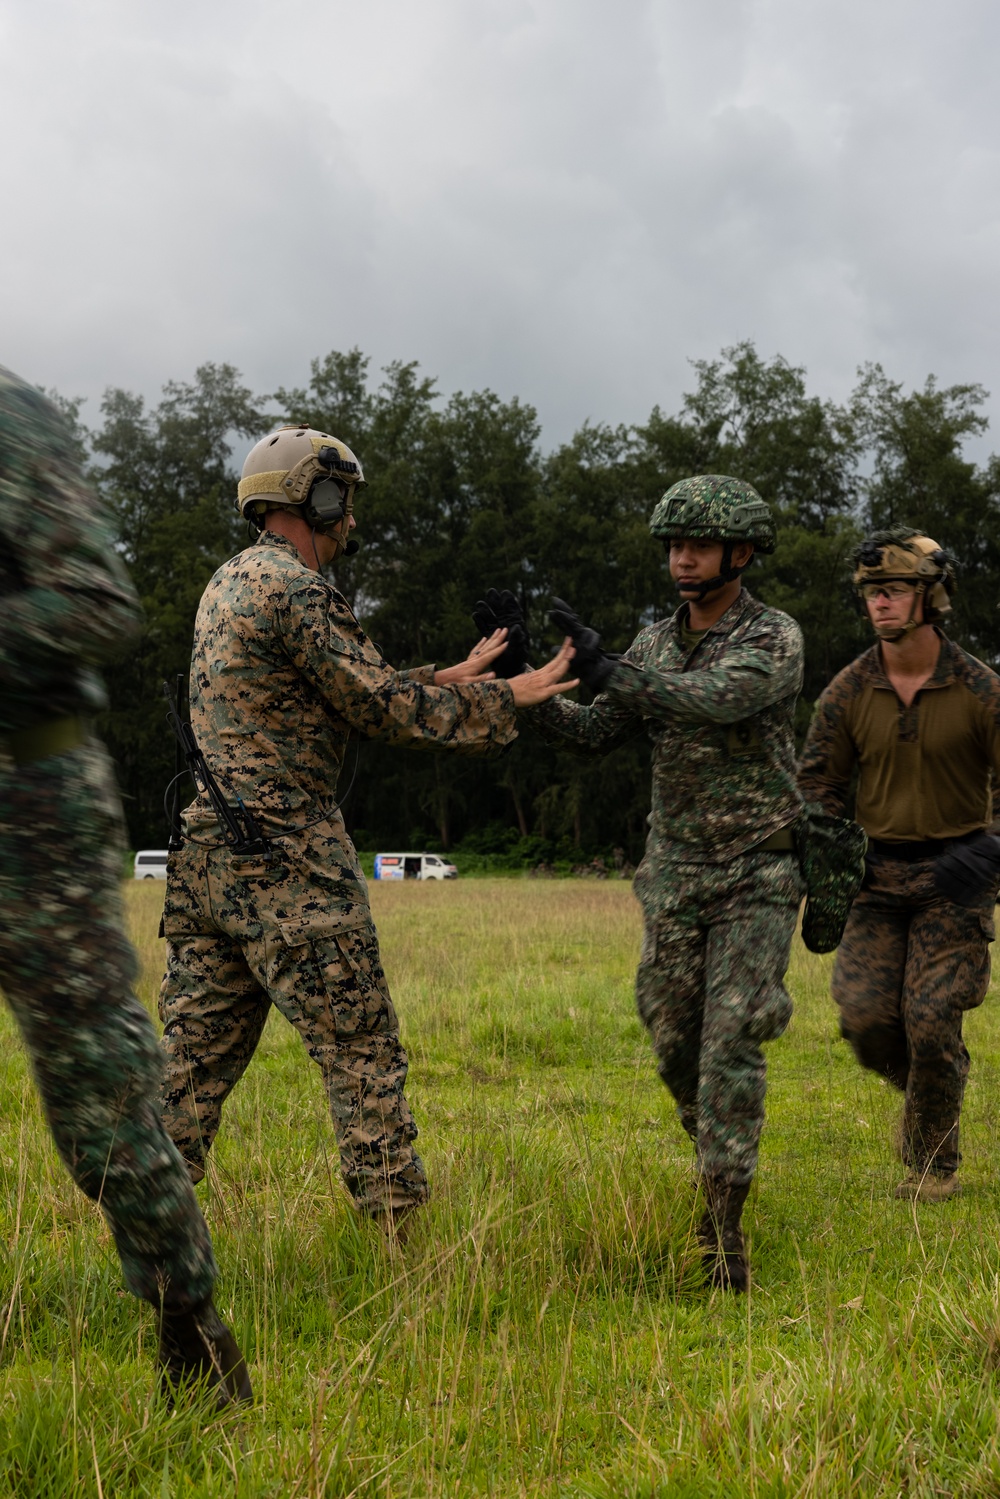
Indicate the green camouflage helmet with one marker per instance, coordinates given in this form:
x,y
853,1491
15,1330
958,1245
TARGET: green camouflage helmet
x,y
713,507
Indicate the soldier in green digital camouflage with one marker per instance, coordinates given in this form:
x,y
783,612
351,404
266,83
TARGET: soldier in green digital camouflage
x,y
714,688
918,721
65,966
281,673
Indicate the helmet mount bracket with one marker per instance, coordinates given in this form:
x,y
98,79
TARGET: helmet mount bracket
x,y
903,555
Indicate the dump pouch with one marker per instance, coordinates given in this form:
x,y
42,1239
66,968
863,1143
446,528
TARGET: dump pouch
x,y
831,854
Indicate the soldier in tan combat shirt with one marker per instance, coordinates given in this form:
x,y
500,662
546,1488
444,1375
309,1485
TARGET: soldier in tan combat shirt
x,y
918,720
280,675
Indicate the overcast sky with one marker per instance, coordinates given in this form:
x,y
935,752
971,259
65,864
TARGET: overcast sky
x,y
563,200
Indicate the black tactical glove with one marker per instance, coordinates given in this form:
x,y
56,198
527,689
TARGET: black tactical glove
x,y
966,872
590,663
501,611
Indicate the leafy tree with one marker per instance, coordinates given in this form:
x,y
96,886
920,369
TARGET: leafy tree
x,y
167,476
460,497
448,501
918,476
756,419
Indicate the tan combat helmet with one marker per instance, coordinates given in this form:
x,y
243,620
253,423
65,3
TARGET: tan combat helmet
x,y
298,466
903,555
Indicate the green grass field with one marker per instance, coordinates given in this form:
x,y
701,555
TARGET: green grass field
x,y
546,1330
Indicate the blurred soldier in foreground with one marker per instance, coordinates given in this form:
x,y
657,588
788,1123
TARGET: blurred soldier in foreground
x,y
281,674
65,966
919,720
714,687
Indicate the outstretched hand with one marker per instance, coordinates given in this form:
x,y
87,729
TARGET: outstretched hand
x,y
534,687
594,664
476,666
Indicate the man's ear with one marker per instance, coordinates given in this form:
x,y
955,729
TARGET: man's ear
x,y
742,552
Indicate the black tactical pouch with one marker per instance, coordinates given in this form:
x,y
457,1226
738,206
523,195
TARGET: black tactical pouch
x,y
967,870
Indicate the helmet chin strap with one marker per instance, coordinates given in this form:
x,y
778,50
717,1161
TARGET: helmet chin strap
x,y
697,592
344,548
893,633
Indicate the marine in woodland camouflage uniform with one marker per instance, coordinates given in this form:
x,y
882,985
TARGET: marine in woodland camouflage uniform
x,y
719,884
281,674
911,961
65,966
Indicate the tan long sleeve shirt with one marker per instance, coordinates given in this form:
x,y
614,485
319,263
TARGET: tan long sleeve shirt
x,y
926,771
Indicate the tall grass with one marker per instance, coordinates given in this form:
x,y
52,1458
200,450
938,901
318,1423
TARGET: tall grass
x,y
546,1329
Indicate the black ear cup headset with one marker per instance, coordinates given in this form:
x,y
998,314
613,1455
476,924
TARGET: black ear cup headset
x,y
326,503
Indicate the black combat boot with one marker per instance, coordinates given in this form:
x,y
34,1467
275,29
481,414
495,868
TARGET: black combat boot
x,y
198,1350
720,1235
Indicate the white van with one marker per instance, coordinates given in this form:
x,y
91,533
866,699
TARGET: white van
x,y
413,867
151,864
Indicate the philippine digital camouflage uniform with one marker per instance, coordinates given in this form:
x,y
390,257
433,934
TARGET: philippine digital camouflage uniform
x,y
281,673
911,962
66,968
719,909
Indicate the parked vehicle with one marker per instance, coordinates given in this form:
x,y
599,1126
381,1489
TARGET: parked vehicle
x,y
151,864
413,867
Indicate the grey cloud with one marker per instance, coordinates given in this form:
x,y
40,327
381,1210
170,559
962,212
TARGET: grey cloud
x,y
561,199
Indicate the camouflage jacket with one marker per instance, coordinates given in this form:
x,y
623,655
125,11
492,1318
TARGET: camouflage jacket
x,y
720,720
280,675
68,604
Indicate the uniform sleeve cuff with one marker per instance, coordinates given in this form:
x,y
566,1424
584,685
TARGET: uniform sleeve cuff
x,y
422,674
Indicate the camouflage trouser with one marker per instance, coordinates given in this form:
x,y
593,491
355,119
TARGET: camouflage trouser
x,y
67,972
230,956
909,965
710,990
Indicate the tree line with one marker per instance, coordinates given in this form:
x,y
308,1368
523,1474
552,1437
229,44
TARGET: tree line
x,y
461,496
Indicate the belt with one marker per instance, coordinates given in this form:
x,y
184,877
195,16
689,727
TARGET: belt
x,y
928,848
25,746
781,842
